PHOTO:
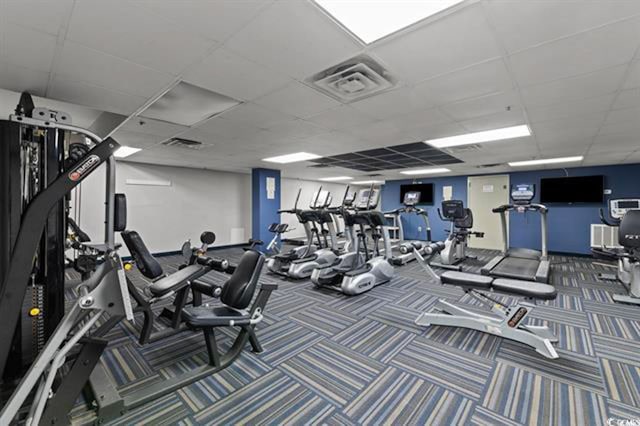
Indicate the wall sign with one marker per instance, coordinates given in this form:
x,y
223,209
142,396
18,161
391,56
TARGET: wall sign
x,y
271,188
487,188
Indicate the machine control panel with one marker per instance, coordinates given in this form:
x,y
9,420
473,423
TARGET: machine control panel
x,y
367,196
411,198
523,193
619,207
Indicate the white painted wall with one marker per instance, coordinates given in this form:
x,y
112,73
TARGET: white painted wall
x,y
166,216
288,194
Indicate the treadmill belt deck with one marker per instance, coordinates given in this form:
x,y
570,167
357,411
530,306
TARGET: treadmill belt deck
x,y
517,268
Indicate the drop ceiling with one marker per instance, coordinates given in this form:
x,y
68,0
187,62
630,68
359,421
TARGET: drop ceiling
x,y
568,69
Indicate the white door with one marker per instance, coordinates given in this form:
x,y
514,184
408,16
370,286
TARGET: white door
x,y
484,194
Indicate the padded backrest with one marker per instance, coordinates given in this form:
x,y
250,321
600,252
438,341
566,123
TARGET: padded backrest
x,y
629,230
466,222
238,291
120,213
147,264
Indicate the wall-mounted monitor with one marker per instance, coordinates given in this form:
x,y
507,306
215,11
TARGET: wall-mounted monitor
x,y
577,189
425,190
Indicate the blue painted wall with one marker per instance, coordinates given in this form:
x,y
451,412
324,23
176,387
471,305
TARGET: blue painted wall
x,y
264,212
569,225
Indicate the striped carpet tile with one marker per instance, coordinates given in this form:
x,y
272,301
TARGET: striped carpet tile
x,y
483,416
337,419
388,292
617,349
271,400
324,320
574,369
170,350
533,399
562,316
454,369
478,343
417,300
399,398
284,304
575,339
359,306
618,410
622,381
630,312
396,316
598,295
564,301
125,364
615,326
333,371
375,340
165,411
284,340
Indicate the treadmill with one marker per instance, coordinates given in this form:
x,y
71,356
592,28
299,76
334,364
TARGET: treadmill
x,y
521,263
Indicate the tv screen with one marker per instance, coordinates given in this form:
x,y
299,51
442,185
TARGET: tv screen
x,y
578,189
425,190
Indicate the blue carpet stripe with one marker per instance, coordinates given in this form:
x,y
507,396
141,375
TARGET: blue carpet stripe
x,y
620,411
359,306
399,398
622,381
617,349
620,310
396,316
125,364
614,326
164,411
417,301
457,370
285,340
333,371
374,339
482,416
476,342
533,399
324,320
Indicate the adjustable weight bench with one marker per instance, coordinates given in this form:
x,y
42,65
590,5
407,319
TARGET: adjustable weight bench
x,y
509,321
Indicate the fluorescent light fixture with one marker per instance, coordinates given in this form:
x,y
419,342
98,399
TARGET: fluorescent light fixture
x,y
292,158
546,161
480,137
125,151
368,182
426,171
336,178
370,20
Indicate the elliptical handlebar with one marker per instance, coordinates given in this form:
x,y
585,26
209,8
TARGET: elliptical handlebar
x,y
603,219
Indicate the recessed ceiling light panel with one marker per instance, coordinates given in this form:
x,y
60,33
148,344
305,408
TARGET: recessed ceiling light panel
x,y
336,178
546,161
292,158
187,105
370,20
125,151
369,182
481,137
430,171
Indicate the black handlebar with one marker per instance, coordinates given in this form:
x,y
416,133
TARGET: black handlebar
x,y
603,219
215,263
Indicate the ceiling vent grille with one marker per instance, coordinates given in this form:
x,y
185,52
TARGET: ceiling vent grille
x,y
489,166
184,143
464,148
320,166
354,79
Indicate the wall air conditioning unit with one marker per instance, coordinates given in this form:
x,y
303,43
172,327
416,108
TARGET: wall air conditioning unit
x,y
604,236
352,80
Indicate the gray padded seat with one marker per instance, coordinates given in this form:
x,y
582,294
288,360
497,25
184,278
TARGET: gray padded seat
x,y
206,316
464,279
525,288
175,281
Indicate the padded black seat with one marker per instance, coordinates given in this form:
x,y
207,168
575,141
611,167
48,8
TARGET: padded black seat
x,y
206,316
525,288
464,279
175,281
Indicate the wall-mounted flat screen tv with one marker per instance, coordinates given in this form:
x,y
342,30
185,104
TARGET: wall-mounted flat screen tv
x,y
577,189
425,189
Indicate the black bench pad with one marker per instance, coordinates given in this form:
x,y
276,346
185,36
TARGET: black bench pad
x,y
525,288
176,280
465,279
207,316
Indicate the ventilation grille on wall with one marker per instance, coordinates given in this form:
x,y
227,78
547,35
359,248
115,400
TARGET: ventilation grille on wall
x,y
353,79
604,236
183,143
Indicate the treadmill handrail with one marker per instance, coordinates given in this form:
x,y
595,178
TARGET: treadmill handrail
x,y
16,279
531,207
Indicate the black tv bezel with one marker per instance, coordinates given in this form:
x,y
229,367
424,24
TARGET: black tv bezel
x,y
602,196
433,194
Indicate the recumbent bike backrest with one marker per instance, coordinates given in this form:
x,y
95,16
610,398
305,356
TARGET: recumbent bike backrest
x,y
145,261
238,291
629,230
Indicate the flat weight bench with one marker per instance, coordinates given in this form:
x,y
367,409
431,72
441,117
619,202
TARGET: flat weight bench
x,y
509,321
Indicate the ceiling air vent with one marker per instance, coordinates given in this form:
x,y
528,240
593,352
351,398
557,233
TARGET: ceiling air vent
x,y
463,148
183,143
320,166
488,166
374,175
353,79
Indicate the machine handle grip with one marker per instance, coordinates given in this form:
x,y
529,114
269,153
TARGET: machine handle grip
x,y
604,220
216,263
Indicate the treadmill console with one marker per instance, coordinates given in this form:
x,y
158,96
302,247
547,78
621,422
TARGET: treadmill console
x,y
411,198
619,207
523,193
366,196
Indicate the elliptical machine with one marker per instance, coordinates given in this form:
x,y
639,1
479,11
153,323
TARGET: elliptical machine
x,y
624,214
455,247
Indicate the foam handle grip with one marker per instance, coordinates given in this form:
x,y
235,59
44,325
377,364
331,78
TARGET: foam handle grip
x,y
214,263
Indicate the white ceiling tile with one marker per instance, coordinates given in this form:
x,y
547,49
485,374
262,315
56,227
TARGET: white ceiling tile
x,y
228,130
621,140
77,62
234,76
434,131
581,87
295,38
456,41
393,103
341,117
26,48
135,139
297,129
628,99
571,108
420,119
614,44
513,117
584,128
623,127
40,15
478,80
255,115
213,19
519,22
21,79
153,127
623,115
139,36
298,100
486,105
94,96
633,158
633,79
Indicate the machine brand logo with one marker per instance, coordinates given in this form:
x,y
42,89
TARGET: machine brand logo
x,y
84,168
632,237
